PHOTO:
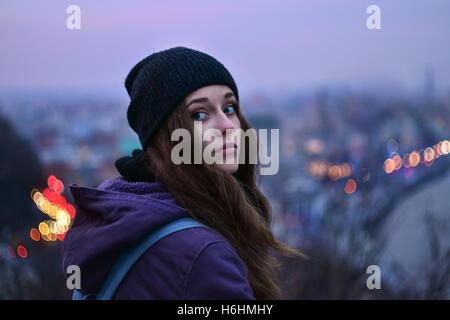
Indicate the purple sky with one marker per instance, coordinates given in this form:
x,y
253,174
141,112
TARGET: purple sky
x,y
265,44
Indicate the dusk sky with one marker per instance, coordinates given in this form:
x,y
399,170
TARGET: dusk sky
x,y
266,45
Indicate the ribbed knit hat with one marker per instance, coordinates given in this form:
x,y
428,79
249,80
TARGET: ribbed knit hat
x,y
159,83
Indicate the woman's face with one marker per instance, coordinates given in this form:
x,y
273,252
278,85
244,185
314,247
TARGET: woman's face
x,y
215,106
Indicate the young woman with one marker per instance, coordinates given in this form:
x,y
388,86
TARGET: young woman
x,y
228,259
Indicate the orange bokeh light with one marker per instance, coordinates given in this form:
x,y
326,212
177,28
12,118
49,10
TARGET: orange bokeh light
x,y
414,158
34,234
397,162
334,172
389,165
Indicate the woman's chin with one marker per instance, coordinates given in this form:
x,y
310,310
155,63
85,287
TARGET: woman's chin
x,y
230,168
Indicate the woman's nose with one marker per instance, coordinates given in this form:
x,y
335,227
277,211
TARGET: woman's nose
x,y
224,123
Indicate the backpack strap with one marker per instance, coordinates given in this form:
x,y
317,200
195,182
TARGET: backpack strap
x,y
129,257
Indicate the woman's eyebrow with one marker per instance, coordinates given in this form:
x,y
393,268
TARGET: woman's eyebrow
x,y
228,94
197,100
205,99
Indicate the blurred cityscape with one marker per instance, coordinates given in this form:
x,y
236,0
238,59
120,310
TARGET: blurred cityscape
x,y
363,180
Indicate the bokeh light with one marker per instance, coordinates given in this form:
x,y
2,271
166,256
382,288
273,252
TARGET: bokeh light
x,y
34,234
320,169
428,154
71,210
389,165
22,252
397,162
425,156
51,180
392,146
414,158
406,161
44,229
54,204
445,147
350,186
58,186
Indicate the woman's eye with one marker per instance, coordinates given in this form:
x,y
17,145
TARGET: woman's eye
x,y
230,109
198,115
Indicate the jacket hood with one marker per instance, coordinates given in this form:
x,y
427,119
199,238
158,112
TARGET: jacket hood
x,y
111,217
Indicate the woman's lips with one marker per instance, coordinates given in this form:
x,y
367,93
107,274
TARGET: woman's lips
x,y
229,149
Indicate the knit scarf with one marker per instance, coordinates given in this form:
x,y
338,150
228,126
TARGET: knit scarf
x,y
135,168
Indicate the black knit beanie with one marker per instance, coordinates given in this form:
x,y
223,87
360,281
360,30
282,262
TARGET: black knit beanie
x,y
156,86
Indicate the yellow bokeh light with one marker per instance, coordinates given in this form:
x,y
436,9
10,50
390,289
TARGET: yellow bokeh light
x,y
45,205
59,228
36,196
63,217
39,200
52,226
52,211
43,228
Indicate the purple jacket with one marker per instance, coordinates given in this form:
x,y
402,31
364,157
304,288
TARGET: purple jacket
x,y
196,263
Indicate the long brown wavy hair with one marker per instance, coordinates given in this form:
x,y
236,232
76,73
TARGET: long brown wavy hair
x,y
231,204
